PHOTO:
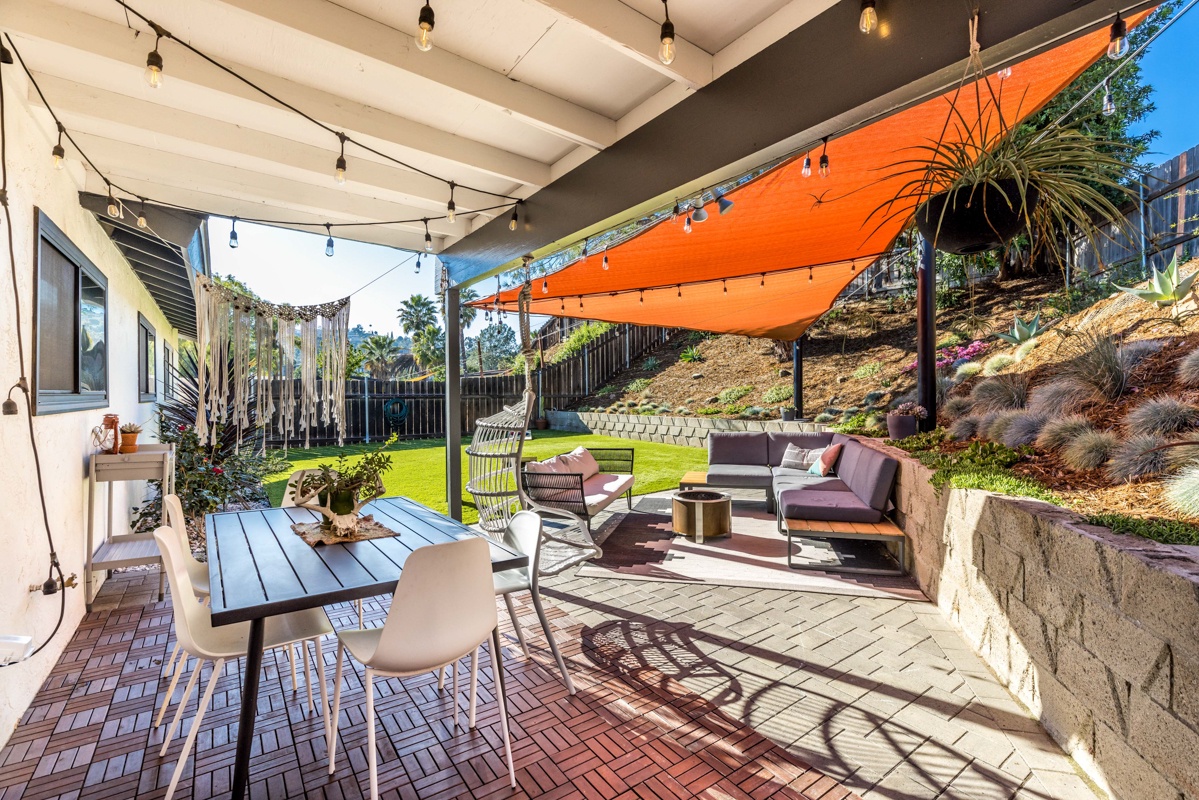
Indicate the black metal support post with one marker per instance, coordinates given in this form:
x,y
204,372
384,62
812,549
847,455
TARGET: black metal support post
x,y
797,375
926,334
453,404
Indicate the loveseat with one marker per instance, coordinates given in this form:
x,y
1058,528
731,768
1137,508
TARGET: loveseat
x,y
858,489
584,481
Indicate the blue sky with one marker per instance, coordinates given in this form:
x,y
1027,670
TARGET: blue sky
x,y
289,267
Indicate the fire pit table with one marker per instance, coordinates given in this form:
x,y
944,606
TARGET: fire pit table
x,y
702,513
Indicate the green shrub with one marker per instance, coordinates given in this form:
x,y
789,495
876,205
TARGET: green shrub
x,y
639,385
1001,393
777,394
631,404
1000,483
967,371
683,411
861,425
867,370
919,442
1023,428
1023,350
609,389
950,340
1057,433
691,355
1137,458
1166,531
983,465
1090,449
733,394
753,411
651,363
735,409
1188,370
997,364
1162,416
710,411
1062,396
578,339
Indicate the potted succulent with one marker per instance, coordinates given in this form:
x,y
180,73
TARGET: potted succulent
x,y
129,434
788,413
340,490
904,419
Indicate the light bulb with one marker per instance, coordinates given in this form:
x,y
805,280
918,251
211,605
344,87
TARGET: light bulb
x,y
666,51
824,167
141,217
545,287
451,212
809,274
1004,73
512,223
418,264
428,243
869,19
1109,103
114,210
699,215
807,167
424,37
154,68
57,154
329,247
1117,46
687,224
233,239
605,262
339,171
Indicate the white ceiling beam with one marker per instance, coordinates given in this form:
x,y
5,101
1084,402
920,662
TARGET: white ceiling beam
x,y
366,38
629,32
399,136
100,112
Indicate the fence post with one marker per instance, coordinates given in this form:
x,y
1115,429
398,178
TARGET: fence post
x,y
366,407
586,370
627,335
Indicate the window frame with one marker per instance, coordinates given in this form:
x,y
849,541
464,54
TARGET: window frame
x,y
146,379
58,401
168,370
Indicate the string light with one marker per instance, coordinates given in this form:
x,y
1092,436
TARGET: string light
x,y
580,302
154,63
699,215
641,297
679,288
233,235
724,284
428,238
868,21
809,274
451,210
545,286
675,212
1117,46
512,223
114,209
141,214
824,164
339,168
57,153
418,263
666,51
424,39
807,166
562,305
604,264
723,203
329,241
687,223
762,280
1004,73
1109,100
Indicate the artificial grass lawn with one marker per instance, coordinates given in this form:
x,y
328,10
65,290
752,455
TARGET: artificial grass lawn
x,y
418,469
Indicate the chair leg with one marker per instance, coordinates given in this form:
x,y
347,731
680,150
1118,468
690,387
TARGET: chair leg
x,y
441,680
372,757
520,634
454,692
166,701
549,637
359,613
317,646
307,674
496,666
191,735
474,685
331,734
191,684
291,658
628,498
166,669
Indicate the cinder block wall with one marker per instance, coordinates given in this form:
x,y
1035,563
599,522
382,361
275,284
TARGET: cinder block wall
x,y
1097,634
690,431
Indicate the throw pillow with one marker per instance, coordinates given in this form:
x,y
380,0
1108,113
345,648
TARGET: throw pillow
x,y
824,465
799,458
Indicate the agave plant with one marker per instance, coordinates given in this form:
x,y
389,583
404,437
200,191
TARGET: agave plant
x,y
1022,331
1166,287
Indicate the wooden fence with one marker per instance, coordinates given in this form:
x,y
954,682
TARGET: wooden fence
x,y
416,409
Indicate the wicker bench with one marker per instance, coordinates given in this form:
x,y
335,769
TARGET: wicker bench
x,y
580,494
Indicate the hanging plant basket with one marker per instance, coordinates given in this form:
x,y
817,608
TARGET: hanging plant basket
x,y
975,219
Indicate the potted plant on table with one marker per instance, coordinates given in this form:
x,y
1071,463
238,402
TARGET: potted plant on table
x,y
904,419
129,434
340,490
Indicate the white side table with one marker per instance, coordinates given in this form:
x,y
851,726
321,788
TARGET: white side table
x,y
150,462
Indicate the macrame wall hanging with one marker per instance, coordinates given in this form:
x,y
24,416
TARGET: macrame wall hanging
x,y
248,346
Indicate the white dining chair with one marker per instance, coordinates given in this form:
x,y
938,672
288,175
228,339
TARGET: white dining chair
x,y
197,571
443,609
204,642
524,534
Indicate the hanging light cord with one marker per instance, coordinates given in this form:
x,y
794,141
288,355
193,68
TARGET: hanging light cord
x,y
23,383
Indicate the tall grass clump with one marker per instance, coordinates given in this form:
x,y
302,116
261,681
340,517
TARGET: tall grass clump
x,y
1137,458
1062,396
1001,393
1162,416
1023,428
999,424
1023,350
1133,353
1188,370
964,428
956,407
1182,491
997,364
1058,433
1090,449
1095,360
967,371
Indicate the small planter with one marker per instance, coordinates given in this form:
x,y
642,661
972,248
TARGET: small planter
x,y
342,505
901,426
975,219
541,423
788,414
128,442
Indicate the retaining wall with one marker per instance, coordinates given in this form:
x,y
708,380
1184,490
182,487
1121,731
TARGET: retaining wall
x,y
691,431
1097,634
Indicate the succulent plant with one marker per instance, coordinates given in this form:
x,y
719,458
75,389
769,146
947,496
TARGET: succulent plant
x,y
1166,287
131,427
1022,331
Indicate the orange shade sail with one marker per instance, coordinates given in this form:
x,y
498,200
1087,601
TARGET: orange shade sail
x,y
777,261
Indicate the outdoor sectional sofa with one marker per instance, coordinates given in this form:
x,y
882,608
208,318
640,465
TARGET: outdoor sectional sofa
x,y
857,490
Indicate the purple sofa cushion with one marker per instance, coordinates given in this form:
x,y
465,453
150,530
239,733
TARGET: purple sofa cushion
x,y
813,504
753,476
868,473
736,447
777,442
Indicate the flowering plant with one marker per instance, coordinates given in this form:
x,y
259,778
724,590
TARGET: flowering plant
x,y
909,410
955,355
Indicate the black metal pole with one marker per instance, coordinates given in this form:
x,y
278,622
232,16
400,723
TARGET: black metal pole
x,y
797,375
453,404
926,334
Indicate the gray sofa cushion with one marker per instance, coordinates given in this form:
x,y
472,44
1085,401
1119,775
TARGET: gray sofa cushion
x,y
736,447
777,442
753,476
790,478
869,473
813,504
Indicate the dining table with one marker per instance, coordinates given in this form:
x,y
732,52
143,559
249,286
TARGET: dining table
x,y
259,567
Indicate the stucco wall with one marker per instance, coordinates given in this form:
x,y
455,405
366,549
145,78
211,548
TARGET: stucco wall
x,y
1096,634
63,438
690,431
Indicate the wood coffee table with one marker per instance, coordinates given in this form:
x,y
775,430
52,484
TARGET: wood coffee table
x,y
701,513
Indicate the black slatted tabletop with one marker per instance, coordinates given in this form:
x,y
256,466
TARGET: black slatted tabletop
x,y
259,567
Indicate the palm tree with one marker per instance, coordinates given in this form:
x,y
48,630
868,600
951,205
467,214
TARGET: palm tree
x,y
380,353
428,346
466,315
416,313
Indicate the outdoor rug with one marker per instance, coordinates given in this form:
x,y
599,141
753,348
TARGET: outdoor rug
x,y
641,546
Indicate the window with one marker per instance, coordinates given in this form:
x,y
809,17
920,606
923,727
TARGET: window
x,y
71,368
168,370
147,392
